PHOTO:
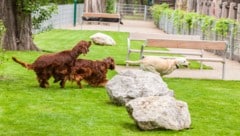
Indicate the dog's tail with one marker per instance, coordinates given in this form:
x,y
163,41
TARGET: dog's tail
x,y
24,64
133,62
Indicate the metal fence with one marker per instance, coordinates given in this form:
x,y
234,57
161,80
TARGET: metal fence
x,y
232,37
64,17
133,11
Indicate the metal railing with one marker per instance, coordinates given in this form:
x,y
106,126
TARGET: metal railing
x,y
133,11
232,37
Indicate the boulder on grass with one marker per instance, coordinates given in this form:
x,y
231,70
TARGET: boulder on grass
x,y
102,39
159,112
131,84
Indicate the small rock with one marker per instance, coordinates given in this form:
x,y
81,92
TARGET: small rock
x,y
102,39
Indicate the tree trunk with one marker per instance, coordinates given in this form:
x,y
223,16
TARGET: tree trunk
x,y
96,6
18,25
141,2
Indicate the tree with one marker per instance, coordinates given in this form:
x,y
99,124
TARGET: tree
x,y
96,6
16,16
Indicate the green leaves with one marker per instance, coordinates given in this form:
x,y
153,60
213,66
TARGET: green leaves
x,y
41,10
222,26
110,8
206,22
43,13
157,11
186,20
2,29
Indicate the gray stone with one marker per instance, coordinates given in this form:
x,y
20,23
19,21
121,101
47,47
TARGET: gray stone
x,y
102,39
159,112
131,84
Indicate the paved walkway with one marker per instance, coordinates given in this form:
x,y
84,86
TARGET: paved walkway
x,y
232,67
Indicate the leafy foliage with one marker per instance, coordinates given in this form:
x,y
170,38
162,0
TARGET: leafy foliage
x,y
41,14
157,11
2,31
206,23
186,20
222,26
42,10
110,6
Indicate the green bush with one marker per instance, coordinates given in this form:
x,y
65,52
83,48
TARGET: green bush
x,y
157,11
186,20
2,31
110,8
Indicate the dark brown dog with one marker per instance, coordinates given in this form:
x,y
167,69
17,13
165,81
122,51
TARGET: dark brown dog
x,y
93,72
53,64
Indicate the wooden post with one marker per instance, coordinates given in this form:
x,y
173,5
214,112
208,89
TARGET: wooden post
x,y
182,4
86,6
218,8
205,9
95,6
224,10
238,13
191,5
232,12
179,4
212,10
199,6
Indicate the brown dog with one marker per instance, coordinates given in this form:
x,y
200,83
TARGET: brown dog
x,y
93,72
49,65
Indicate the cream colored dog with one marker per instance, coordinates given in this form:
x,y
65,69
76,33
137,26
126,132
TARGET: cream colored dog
x,y
159,65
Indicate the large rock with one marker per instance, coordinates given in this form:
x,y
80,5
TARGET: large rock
x,y
131,84
159,112
102,39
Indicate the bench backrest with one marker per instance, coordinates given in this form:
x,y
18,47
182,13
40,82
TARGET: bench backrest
x,y
101,15
187,44
145,36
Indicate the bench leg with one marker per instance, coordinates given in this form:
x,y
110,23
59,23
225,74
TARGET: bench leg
x,y
81,24
201,66
223,71
141,52
128,54
118,26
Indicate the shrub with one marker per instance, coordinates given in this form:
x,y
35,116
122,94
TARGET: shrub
x,y
157,11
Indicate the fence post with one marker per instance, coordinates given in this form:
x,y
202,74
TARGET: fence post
x,y
172,21
232,12
238,13
218,9
224,10
75,13
145,12
232,41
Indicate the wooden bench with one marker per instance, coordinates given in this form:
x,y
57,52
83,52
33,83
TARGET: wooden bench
x,y
135,36
188,44
101,17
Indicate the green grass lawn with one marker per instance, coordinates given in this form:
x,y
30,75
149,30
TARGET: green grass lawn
x,y
26,109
